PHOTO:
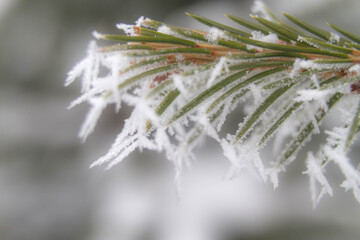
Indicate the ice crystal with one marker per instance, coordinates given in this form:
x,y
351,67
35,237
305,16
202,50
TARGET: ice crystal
x,y
315,172
257,35
259,7
215,34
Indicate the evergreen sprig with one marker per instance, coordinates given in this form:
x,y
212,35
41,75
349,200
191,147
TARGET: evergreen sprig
x,y
184,82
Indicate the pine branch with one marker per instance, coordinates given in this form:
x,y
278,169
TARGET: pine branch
x,y
173,75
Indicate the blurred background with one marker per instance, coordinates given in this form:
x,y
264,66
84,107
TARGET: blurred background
x,y
47,190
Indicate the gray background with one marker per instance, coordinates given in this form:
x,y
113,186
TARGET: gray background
x,y
47,190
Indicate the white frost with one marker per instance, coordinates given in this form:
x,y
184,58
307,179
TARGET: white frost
x,y
97,35
274,176
97,106
140,21
215,34
179,84
307,95
334,38
315,172
355,69
259,36
217,71
352,176
164,29
229,152
76,72
129,28
300,64
259,7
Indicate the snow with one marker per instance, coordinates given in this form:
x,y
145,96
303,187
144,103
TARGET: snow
x,y
225,112
229,151
334,38
260,8
85,97
274,176
164,29
179,84
307,95
215,34
140,21
218,70
97,35
257,35
88,68
285,130
129,28
355,68
115,64
352,176
97,106
315,172
209,129
256,94
76,72
300,64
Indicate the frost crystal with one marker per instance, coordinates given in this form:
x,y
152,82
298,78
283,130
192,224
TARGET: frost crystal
x,y
92,117
257,35
128,29
352,176
334,38
312,94
215,34
315,172
218,69
260,8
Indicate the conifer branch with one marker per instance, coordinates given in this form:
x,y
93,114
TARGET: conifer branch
x,y
173,75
